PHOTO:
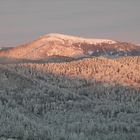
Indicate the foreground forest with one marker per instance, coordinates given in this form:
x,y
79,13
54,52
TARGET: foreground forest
x,y
88,99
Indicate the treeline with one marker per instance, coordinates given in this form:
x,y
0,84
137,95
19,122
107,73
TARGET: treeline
x,y
125,71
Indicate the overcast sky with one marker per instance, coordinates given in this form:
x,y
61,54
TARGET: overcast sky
x,y
22,21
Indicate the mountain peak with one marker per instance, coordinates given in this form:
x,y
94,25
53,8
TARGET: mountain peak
x,y
55,44
75,39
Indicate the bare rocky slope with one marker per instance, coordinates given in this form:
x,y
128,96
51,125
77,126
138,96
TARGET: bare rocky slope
x,y
48,92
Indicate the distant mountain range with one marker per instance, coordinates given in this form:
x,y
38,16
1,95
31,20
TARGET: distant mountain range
x,y
59,45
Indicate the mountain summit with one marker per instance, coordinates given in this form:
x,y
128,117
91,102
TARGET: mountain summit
x,y
60,45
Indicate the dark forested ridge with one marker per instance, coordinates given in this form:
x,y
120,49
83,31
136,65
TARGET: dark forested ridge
x,y
67,98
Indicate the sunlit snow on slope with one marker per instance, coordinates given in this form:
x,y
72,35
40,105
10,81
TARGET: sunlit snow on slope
x,y
53,36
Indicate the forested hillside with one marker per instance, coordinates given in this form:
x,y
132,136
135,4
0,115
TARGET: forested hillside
x,y
92,98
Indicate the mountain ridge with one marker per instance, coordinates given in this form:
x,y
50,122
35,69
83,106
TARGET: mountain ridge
x,y
70,46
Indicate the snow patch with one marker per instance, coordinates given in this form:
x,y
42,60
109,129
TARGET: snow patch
x,y
73,39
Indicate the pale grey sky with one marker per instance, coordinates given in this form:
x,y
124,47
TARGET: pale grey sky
x,y
22,21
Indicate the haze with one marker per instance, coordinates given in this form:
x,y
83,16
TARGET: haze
x,y
22,21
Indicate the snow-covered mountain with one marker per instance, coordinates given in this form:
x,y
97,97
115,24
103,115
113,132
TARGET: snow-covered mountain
x,y
70,46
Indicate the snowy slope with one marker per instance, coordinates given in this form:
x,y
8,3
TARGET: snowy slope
x,y
70,46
